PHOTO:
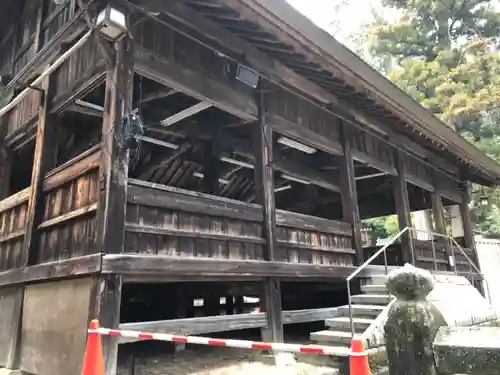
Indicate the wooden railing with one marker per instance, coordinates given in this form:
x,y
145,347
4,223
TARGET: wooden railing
x,y
170,221
68,228
12,229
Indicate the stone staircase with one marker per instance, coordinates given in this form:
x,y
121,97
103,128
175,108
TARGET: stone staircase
x,y
366,307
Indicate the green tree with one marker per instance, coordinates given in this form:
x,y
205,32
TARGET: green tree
x,y
447,59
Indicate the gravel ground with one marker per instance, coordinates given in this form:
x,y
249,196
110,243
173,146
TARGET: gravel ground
x,y
157,359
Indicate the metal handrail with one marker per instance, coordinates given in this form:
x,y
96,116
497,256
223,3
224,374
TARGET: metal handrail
x,y
383,250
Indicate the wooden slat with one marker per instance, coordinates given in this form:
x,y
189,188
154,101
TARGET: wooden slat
x,y
69,216
155,195
78,266
191,234
131,264
72,169
312,223
14,200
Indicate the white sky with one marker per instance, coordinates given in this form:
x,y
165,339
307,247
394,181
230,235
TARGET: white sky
x,y
352,14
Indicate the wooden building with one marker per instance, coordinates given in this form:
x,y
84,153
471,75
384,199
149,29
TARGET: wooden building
x,y
219,148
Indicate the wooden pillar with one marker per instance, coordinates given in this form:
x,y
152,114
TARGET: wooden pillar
x,y
210,169
239,302
270,301
113,174
229,305
403,208
44,160
469,241
440,225
6,160
350,207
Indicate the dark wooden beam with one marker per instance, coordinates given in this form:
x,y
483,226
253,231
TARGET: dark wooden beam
x,y
264,195
350,206
403,209
304,135
112,202
192,83
159,265
211,164
440,225
318,178
44,160
61,269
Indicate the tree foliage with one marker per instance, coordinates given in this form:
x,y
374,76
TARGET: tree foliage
x,y
445,56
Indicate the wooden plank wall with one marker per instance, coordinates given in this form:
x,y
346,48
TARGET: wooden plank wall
x,y
424,256
156,39
57,17
318,125
308,239
70,203
12,229
77,70
23,113
372,151
170,221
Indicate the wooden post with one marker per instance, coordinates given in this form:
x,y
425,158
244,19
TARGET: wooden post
x,y
403,209
264,195
469,240
6,159
350,207
113,175
438,213
239,302
210,168
44,160
229,305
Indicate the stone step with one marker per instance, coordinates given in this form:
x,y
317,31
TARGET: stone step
x,y
372,299
378,279
362,311
343,323
374,289
336,338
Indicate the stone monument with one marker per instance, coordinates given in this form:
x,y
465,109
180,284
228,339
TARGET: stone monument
x,y
412,323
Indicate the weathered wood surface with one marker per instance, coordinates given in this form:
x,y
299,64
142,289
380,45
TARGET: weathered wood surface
x,y
13,216
68,226
10,321
224,323
172,221
54,326
43,160
80,72
370,150
23,114
262,142
150,265
65,268
349,194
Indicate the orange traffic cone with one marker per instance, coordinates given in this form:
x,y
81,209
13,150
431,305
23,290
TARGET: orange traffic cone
x,y
358,364
93,361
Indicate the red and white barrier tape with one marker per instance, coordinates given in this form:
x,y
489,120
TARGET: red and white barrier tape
x,y
243,344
